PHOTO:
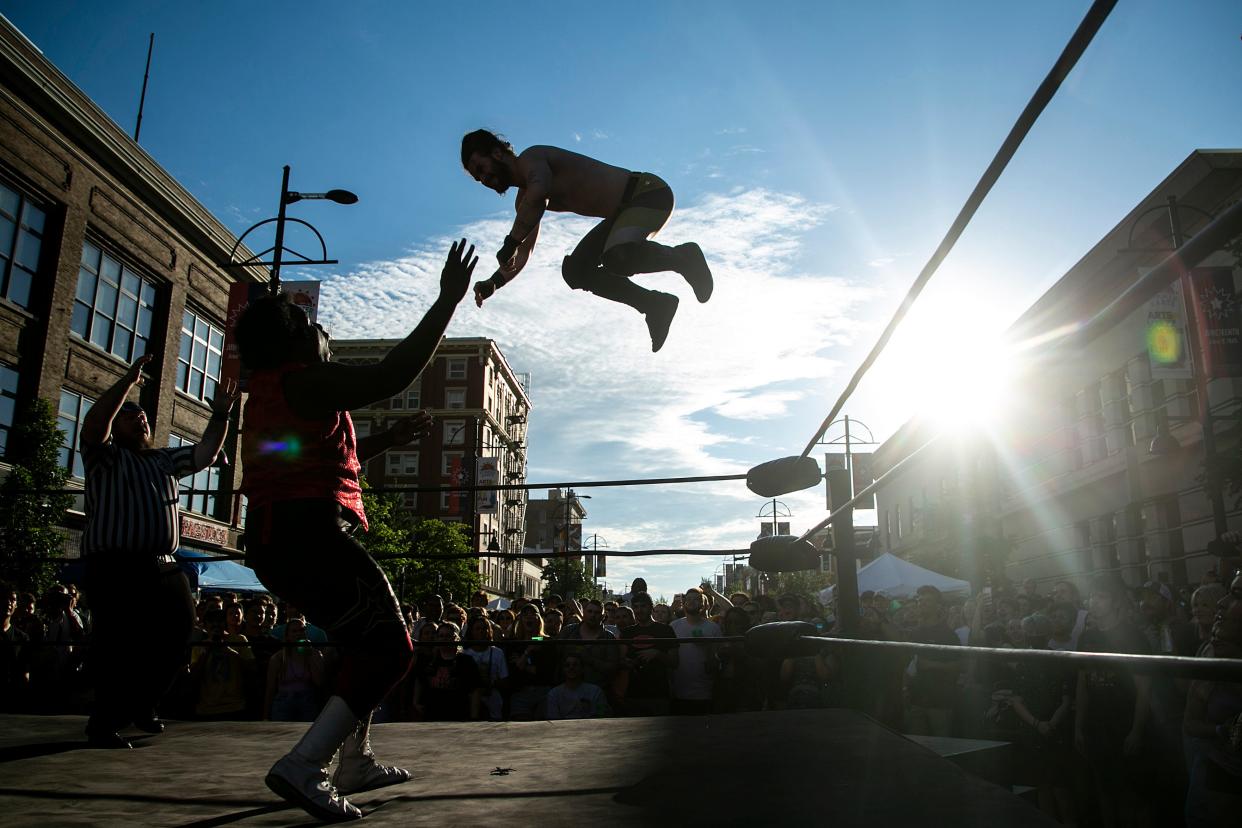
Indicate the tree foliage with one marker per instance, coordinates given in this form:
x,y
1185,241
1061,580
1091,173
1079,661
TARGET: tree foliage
x,y
29,515
568,577
400,541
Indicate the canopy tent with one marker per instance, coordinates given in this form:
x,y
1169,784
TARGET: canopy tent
x,y
898,578
206,572
498,604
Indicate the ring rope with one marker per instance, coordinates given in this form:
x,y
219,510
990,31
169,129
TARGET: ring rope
x,y
1074,50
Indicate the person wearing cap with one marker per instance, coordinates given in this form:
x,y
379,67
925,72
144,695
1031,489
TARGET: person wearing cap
x,y
133,529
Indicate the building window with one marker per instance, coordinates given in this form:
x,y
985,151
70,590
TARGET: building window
x,y
362,428
8,404
198,361
409,500
454,432
455,398
198,491
451,464
73,408
21,242
897,520
411,399
403,463
456,368
114,306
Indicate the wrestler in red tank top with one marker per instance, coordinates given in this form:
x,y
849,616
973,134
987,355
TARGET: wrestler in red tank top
x,y
286,456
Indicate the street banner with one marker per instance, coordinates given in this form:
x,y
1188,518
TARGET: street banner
x,y
834,462
458,477
1168,343
305,295
765,528
1214,299
863,476
601,566
486,473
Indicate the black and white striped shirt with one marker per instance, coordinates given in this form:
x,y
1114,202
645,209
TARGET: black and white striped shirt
x,y
131,499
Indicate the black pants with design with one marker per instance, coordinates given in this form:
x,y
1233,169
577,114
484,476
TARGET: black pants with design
x,y
301,551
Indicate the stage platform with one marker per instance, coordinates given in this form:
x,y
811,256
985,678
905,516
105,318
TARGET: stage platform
x,y
812,767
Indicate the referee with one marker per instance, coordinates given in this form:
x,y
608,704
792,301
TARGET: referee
x,y
132,530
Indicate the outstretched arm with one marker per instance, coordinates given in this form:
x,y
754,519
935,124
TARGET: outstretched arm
x,y
97,424
331,386
531,206
212,441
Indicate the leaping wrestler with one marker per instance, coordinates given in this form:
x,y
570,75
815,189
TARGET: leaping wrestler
x,y
633,206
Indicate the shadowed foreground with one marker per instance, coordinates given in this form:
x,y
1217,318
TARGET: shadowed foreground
x,y
814,767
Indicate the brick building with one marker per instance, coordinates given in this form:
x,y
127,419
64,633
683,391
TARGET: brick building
x,y
481,406
1074,482
104,257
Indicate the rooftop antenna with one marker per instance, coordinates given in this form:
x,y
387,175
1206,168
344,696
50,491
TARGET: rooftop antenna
x,y
146,74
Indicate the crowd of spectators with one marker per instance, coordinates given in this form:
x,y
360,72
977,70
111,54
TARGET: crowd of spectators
x,y
1103,743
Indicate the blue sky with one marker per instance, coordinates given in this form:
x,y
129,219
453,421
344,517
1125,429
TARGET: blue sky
x,y
818,151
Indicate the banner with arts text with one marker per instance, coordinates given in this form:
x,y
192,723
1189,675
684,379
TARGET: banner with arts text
x,y
1167,341
487,473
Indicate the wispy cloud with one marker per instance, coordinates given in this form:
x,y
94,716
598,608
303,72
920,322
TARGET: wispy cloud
x,y
599,135
731,131
882,261
578,137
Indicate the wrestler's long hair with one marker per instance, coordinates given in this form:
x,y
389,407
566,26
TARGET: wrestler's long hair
x,y
270,332
482,142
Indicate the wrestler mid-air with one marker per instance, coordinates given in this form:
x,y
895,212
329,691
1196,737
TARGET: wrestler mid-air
x,y
633,206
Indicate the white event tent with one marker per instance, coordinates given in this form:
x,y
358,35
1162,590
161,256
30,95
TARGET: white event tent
x,y
898,578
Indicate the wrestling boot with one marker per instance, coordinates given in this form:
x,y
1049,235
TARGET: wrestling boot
x,y
301,776
653,257
658,308
357,769
659,315
693,268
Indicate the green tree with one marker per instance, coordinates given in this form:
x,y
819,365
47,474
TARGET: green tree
x,y
29,514
566,577
400,541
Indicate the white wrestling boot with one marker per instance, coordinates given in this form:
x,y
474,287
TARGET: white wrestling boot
x,y
301,776
357,769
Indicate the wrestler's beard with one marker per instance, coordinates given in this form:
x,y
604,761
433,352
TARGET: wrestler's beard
x,y
504,179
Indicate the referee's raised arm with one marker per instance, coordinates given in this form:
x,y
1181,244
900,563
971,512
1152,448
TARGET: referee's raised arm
x,y
97,424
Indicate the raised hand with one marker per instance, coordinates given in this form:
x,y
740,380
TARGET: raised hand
x,y
409,429
483,290
134,376
458,268
227,394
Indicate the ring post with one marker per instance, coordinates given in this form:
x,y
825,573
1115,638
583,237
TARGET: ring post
x,y
843,548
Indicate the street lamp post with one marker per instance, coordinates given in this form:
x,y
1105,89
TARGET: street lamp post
x,y
595,541
570,497
278,250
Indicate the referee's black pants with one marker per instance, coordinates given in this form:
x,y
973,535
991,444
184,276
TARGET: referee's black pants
x,y
143,614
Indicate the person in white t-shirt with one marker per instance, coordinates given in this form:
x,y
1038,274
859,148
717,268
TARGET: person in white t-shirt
x,y
490,660
575,698
695,677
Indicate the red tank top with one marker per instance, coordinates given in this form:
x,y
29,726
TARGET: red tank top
x,y
289,457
